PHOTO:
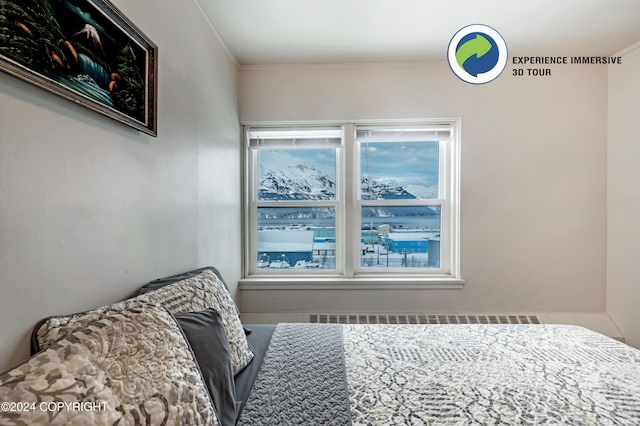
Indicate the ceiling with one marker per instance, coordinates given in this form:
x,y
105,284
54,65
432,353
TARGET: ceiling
x,y
352,31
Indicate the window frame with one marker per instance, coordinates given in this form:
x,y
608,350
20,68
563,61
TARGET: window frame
x,y
348,272
442,201
253,203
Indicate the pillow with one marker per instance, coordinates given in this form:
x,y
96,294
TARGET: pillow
x,y
200,292
36,345
53,328
208,339
133,365
162,282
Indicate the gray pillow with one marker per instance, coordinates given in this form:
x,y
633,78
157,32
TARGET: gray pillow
x,y
208,339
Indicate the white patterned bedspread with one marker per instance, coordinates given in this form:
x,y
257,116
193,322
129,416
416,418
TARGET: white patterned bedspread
x,y
472,374
489,375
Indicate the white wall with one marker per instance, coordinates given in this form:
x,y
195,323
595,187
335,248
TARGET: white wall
x,y
91,209
533,178
623,196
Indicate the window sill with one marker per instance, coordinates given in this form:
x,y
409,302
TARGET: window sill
x,y
359,283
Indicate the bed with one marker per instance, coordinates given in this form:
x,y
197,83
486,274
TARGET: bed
x,y
444,374
177,353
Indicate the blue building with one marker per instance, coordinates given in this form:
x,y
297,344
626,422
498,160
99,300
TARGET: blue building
x,y
416,242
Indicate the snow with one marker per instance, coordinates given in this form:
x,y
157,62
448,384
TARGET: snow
x,y
423,192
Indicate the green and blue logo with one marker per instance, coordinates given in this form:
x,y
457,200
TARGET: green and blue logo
x,y
477,54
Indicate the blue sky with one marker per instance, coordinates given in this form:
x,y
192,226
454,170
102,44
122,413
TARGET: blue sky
x,y
406,163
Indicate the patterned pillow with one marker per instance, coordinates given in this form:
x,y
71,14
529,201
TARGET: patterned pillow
x,y
161,282
201,292
195,294
130,366
49,330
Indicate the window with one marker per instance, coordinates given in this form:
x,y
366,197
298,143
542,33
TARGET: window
x,y
352,202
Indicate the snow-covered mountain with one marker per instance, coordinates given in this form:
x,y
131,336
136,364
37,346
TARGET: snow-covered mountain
x,y
285,177
424,192
375,190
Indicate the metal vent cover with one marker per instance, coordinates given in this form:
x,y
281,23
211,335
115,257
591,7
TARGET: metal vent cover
x,y
422,319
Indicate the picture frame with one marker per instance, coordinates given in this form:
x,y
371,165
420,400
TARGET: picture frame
x,y
86,51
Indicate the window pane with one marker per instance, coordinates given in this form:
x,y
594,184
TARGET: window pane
x,y
296,238
398,170
400,237
297,174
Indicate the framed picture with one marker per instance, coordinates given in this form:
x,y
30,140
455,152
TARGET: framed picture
x,y
85,51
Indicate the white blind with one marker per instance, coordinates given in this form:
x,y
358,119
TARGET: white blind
x,y
296,138
403,133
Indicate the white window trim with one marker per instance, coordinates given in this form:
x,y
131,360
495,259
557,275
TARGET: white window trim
x,y
251,191
345,276
442,200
